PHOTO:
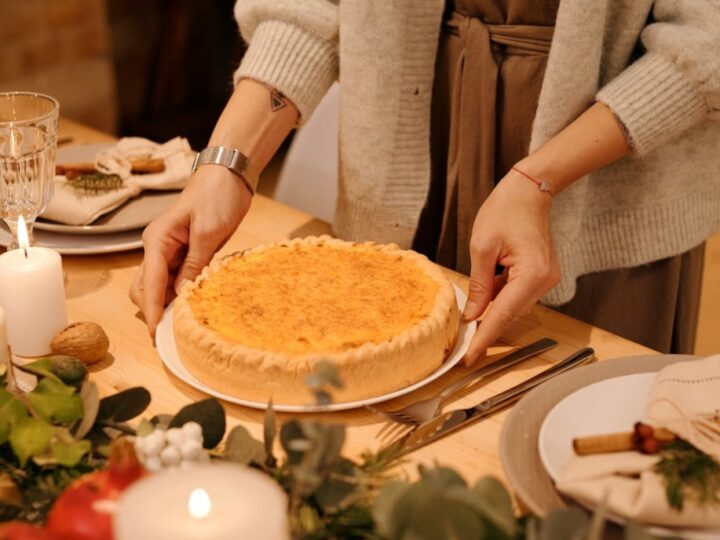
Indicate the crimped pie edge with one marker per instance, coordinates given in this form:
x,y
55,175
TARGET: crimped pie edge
x,y
420,340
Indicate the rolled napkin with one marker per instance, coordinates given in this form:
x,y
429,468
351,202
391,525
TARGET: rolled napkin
x,y
75,206
684,399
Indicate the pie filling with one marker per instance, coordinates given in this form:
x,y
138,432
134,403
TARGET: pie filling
x,y
305,299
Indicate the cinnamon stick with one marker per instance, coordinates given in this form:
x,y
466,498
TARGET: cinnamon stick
x,y
138,166
602,444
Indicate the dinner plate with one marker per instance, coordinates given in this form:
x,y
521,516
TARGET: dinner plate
x,y
75,244
134,214
520,436
165,342
588,411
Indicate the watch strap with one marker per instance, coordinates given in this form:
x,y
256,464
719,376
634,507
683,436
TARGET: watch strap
x,y
230,158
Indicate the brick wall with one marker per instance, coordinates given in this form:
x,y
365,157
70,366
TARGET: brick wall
x,y
61,48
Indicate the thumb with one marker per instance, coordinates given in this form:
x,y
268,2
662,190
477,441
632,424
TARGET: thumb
x,y
202,245
482,283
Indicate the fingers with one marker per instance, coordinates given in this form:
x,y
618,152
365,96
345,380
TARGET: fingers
x,y
513,300
154,286
481,287
204,242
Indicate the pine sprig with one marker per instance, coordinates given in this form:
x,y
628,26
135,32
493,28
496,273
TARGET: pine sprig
x,y
96,182
689,475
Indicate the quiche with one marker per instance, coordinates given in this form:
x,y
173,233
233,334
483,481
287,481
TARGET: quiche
x,y
254,324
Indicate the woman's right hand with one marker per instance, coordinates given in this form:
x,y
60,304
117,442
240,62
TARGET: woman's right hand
x,y
181,241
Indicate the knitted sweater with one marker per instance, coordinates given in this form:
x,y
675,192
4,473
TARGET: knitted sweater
x,y
659,202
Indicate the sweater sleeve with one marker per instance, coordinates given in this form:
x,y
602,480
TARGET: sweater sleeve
x,y
676,83
292,46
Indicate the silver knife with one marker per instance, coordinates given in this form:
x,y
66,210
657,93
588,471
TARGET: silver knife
x,y
453,421
515,357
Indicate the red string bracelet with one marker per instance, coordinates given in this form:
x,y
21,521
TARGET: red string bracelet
x,y
543,185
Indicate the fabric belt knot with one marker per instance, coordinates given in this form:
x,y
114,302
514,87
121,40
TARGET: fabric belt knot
x,y
472,143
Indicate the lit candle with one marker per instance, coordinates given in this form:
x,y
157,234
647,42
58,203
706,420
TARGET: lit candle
x,y
217,501
33,295
4,351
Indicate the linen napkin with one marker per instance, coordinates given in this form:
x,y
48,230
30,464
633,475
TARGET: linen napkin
x,y
81,207
684,399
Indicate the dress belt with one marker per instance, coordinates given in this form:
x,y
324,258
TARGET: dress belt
x,y
471,149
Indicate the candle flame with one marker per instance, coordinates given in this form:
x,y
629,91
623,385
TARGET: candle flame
x,y
199,504
22,235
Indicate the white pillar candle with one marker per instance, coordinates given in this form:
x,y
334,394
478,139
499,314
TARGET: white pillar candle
x,y
4,352
33,295
214,502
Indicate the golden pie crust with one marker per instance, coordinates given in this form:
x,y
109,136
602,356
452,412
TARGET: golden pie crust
x,y
254,324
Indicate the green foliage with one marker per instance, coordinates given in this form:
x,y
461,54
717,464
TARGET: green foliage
x,y
242,448
66,369
688,474
124,405
54,401
210,414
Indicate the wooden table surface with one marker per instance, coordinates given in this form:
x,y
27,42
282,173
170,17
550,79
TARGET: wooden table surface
x,y
97,290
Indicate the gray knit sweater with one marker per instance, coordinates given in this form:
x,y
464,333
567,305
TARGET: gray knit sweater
x,y
661,201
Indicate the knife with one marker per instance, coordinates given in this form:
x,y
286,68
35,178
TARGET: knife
x,y
515,357
453,421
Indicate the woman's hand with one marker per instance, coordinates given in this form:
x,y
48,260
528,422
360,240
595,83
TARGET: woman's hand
x,y
512,229
181,242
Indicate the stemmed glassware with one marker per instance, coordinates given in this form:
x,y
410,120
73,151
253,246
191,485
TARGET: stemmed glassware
x,y
28,138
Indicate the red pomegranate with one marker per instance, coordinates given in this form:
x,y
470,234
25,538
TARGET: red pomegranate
x,y
85,510
19,530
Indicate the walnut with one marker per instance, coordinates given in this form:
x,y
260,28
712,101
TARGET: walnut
x,y
84,340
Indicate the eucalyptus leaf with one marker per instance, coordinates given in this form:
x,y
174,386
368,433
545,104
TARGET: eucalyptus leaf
x,y
144,428
66,369
210,414
269,434
28,437
11,411
389,519
495,504
55,401
124,405
290,433
91,405
241,447
337,487
64,453
566,524
324,373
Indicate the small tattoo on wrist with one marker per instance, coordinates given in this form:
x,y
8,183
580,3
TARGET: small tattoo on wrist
x,y
277,101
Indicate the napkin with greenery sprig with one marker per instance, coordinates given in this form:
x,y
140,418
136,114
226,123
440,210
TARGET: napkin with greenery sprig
x,y
84,198
679,486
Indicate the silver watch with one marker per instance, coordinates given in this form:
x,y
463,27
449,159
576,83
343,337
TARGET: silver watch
x,y
230,158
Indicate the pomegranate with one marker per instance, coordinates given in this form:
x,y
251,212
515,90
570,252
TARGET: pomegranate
x,y
19,530
85,510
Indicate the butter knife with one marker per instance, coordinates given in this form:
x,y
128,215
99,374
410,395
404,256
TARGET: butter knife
x,y
453,421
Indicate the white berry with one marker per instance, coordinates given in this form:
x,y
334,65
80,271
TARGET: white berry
x,y
175,436
193,431
153,443
153,464
170,456
191,449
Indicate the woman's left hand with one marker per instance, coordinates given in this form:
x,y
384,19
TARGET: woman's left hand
x,y
512,228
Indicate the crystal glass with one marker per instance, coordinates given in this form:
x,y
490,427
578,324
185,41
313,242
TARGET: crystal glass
x,y
28,138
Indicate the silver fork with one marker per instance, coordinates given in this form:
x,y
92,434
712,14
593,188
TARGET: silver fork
x,y
427,409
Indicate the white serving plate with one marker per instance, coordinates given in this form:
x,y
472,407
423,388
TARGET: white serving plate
x,y
165,342
608,406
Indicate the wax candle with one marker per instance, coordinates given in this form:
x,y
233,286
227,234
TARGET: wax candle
x,y
4,351
216,501
33,295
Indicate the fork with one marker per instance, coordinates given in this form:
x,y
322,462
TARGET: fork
x,y
427,409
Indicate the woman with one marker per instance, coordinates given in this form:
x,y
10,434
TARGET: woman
x,y
604,150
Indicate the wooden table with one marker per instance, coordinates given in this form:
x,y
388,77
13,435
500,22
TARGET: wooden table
x,y
97,290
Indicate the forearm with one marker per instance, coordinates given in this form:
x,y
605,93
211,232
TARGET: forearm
x,y
255,120
592,141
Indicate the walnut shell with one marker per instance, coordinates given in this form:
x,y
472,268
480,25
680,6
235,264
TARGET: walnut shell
x,y
84,340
